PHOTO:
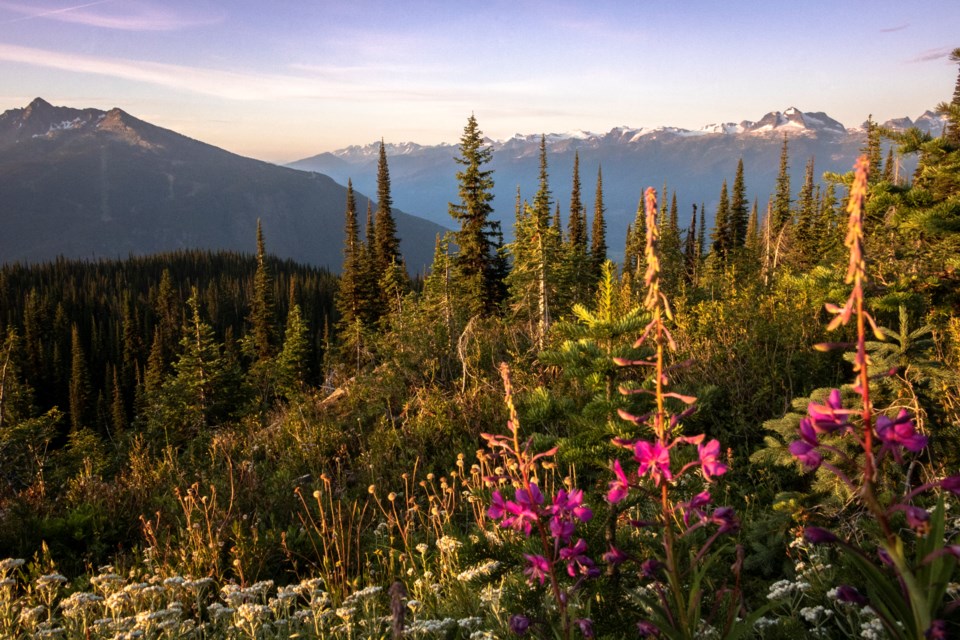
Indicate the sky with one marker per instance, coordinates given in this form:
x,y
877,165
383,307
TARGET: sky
x,y
286,79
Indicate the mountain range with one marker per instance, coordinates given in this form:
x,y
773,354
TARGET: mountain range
x,y
693,163
85,183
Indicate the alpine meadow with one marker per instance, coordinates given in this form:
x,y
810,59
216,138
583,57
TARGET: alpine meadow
x,y
265,412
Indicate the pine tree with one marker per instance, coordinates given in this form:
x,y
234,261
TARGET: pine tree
x,y
261,319
702,233
477,265
633,249
888,166
752,239
598,236
671,251
349,297
578,269
806,231
782,198
576,229
386,248
951,133
79,381
721,225
292,360
738,210
541,201
691,254
872,149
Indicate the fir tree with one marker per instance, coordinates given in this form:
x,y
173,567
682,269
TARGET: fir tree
x,y
888,166
598,236
541,201
79,381
806,231
691,254
721,225
261,319
350,285
782,198
576,229
752,237
738,210
951,133
477,265
386,247
872,149
702,233
292,360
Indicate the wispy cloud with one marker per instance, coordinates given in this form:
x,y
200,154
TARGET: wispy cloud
x,y
110,14
900,27
242,86
213,82
932,54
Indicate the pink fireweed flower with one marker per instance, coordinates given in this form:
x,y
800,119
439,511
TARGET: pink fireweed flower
x,y
615,556
578,564
808,433
711,466
620,487
571,505
899,433
521,518
655,458
497,506
806,454
726,518
694,507
829,417
538,567
951,484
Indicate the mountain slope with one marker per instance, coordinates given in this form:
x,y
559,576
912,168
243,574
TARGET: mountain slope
x,y
692,162
87,183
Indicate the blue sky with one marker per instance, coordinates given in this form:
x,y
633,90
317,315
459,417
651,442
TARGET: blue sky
x,y
285,79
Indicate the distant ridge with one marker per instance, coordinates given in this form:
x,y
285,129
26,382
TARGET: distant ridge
x,y
86,183
692,162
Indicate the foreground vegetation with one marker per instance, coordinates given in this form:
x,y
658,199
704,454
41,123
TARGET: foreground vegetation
x,y
220,446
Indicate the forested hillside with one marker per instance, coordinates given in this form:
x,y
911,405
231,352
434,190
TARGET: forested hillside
x,y
749,428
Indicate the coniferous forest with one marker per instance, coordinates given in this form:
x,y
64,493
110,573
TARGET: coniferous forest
x,y
749,428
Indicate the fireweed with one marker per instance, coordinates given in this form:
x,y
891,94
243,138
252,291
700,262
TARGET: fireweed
x,y
908,591
675,596
562,561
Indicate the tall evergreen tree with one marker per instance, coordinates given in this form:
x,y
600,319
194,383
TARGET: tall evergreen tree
x,y
782,196
79,382
541,201
752,239
951,132
262,317
702,233
350,285
576,227
872,149
691,253
806,228
386,248
738,210
721,225
476,265
598,235
888,166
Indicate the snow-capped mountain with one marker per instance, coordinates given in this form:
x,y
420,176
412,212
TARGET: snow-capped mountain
x,y
694,162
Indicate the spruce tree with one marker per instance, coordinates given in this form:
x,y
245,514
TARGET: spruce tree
x,y
79,381
541,201
738,210
598,235
476,265
721,225
350,285
888,166
261,320
806,230
386,249
292,364
781,201
872,149
576,227
691,256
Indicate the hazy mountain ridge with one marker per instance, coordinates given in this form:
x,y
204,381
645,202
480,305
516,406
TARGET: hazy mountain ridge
x,y
88,183
692,162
